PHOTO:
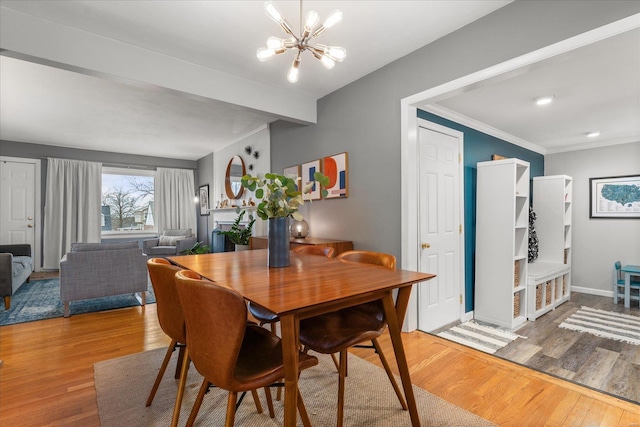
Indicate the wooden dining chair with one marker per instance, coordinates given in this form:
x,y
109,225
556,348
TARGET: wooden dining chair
x,y
335,332
171,319
326,251
226,350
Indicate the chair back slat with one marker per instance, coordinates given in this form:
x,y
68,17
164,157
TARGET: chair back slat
x,y
369,257
216,319
170,315
326,251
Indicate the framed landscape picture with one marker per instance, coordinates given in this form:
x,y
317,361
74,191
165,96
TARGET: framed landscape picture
x,y
308,169
615,197
336,168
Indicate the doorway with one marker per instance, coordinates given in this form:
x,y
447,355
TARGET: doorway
x,y
439,225
20,209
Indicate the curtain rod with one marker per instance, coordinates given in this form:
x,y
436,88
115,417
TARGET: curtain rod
x,y
115,165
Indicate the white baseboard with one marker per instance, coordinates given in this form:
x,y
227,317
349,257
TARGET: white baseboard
x,y
467,316
600,292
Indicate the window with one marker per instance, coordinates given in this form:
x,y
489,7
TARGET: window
x,y
127,201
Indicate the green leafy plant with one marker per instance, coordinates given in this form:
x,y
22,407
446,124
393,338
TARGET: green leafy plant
x,y
239,235
198,248
279,196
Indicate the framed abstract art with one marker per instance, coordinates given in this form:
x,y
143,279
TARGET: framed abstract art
x,y
336,168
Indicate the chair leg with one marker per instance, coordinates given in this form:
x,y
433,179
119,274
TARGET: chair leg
x,y
304,416
335,362
231,409
256,399
392,379
196,405
7,302
181,387
180,360
267,393
163,367
342,373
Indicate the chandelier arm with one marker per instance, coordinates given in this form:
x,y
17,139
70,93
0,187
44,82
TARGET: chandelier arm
x,y
286,27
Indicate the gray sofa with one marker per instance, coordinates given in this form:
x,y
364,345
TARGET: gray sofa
x,y
95,270
16,265
169,243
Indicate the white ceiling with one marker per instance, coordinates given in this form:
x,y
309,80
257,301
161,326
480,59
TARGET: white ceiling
x,y
49,105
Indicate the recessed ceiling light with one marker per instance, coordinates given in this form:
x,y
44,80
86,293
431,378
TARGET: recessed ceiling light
x,y
593,134
544,100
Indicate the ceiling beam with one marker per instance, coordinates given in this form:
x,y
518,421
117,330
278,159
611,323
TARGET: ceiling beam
x,y
49,43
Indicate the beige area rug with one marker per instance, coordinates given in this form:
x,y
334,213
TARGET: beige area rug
x,y
123,384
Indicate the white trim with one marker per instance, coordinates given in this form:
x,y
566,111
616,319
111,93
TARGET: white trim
x,y
37,215
592,291
454,116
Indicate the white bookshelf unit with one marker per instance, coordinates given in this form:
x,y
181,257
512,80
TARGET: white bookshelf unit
x,y
502,239
549,279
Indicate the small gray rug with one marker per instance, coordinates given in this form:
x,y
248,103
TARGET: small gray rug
x,y
123,384
605,324
488,339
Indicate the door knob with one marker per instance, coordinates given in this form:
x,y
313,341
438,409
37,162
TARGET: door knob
x,y
30,226
426,246
29,218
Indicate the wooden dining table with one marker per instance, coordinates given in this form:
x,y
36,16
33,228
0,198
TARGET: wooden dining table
x,y
309,286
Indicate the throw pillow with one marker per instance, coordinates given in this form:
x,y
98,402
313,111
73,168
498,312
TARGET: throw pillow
x,y
169,240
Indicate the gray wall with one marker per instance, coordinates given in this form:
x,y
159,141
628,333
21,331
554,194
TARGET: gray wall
x,y
596,242
363,118
204,175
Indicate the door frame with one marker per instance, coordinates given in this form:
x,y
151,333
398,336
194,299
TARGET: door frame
x,y
425,101
410,210
38,209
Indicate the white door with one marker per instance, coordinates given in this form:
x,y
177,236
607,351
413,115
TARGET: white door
x,y
18,207
439,228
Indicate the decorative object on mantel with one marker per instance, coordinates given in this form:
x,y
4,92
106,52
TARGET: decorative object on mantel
x,y
240,235
299,229
279,198
328,55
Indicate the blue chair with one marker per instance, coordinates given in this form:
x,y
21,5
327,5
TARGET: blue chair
x,y
618,285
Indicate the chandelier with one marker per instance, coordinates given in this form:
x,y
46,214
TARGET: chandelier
x,y
328,55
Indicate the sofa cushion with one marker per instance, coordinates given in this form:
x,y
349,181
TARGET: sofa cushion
x,y
83,247
169,240
183,232
161,250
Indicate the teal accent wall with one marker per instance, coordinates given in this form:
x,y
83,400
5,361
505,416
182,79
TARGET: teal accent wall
x,y
479,147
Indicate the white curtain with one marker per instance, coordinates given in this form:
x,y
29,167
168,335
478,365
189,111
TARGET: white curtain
x,y
72,207
174,193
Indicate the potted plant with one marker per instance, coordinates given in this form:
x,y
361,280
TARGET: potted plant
x,y
198,248
238,235
278,199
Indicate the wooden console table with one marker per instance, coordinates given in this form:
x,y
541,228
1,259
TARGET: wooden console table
x,y
260,242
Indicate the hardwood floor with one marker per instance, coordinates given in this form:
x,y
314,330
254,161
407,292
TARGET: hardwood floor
x,y
602,363
47,375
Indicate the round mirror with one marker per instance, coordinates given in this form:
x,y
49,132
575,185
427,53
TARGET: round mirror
x,y
235,172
